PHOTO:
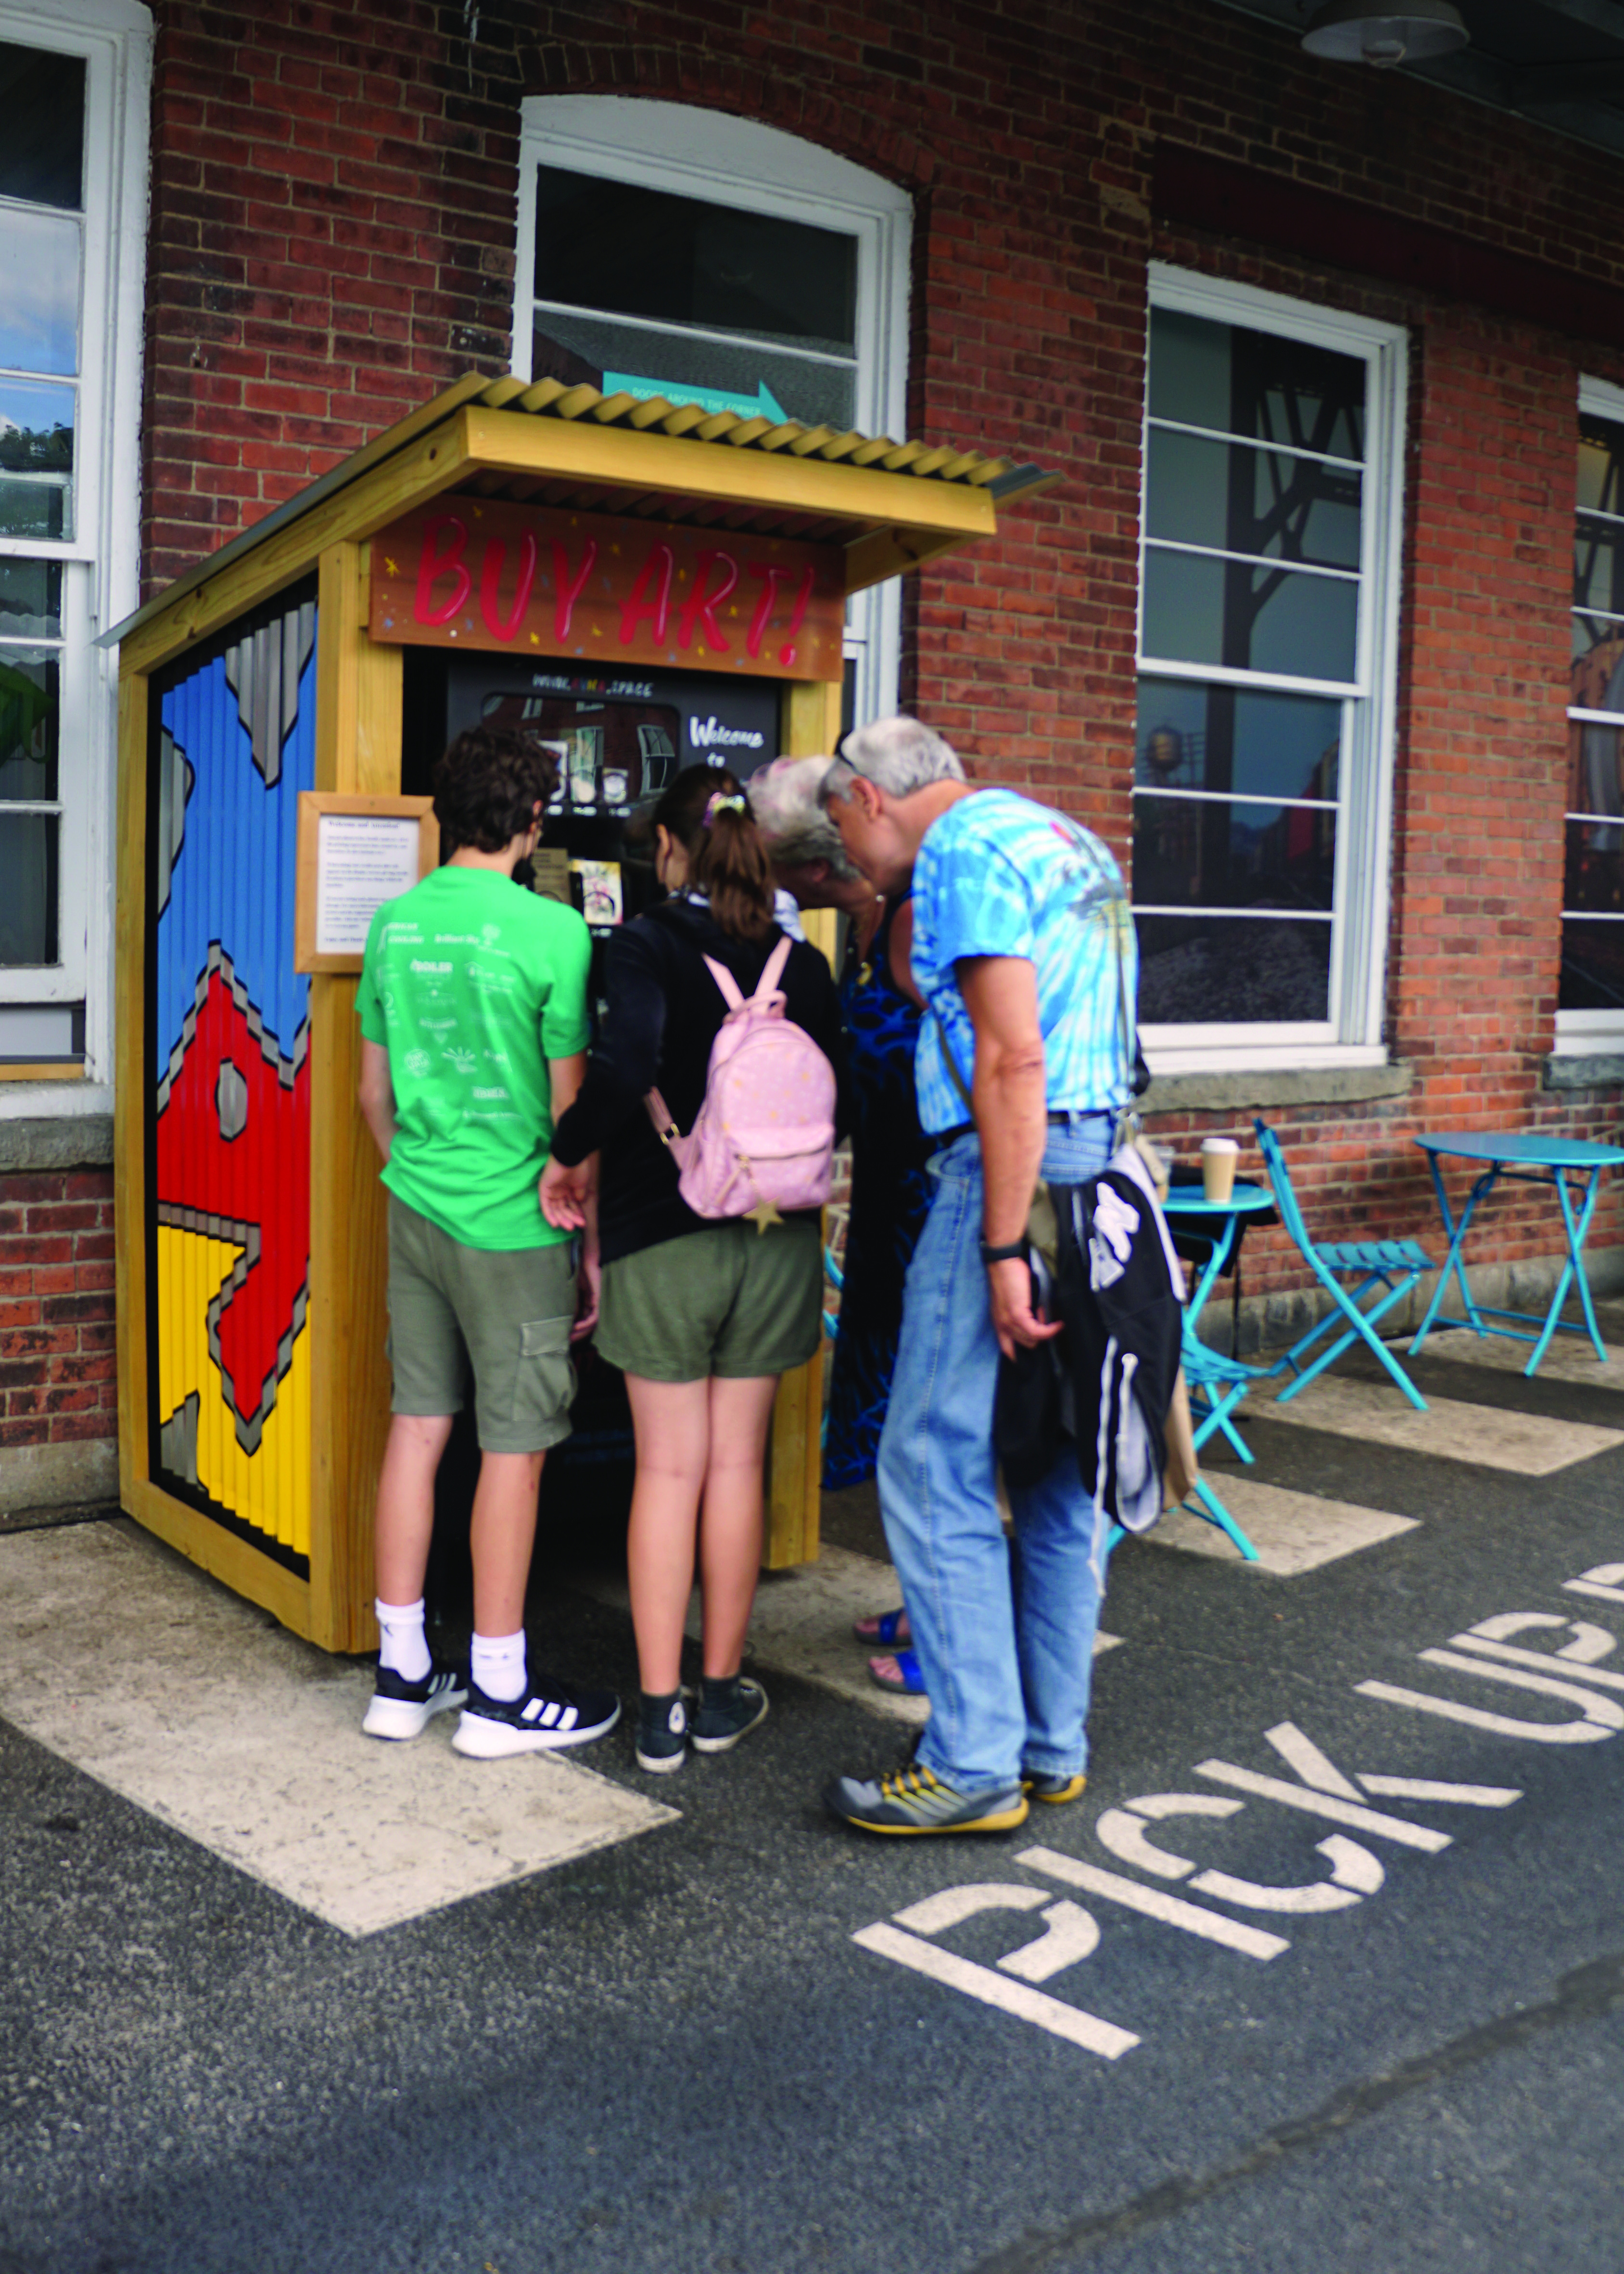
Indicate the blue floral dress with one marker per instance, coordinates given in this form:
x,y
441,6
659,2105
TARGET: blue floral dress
x,y
891,1194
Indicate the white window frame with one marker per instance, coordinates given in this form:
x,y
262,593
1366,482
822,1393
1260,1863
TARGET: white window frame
x,y
687,152
101,565
1352,1034
1579,1033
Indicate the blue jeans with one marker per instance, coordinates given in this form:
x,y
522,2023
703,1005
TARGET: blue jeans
x,y
1006,1657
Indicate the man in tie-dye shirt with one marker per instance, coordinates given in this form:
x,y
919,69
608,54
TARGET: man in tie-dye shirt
x,y
1024,951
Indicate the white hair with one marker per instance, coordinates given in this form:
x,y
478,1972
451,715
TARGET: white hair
x,y
899,756
784,799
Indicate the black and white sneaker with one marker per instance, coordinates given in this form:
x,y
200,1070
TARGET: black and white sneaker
x,y
402,1709
549,1716
727,1712
662,1734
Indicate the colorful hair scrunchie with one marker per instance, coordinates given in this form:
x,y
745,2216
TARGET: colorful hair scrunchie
x,y
723,802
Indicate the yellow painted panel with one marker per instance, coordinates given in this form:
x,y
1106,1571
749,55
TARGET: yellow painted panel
x,y
270,1488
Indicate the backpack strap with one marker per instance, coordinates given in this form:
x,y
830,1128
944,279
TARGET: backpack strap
x,y
768,984
725,980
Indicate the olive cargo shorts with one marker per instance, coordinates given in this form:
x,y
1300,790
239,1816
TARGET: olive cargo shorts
x,y
505,1313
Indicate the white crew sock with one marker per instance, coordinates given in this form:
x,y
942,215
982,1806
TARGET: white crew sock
x,y
498,1666
403,1649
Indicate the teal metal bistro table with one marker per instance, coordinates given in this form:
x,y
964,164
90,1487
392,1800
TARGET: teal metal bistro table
x,y
1569,1165
1216,1383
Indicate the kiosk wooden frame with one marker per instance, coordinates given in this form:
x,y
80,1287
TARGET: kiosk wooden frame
x,y
280,616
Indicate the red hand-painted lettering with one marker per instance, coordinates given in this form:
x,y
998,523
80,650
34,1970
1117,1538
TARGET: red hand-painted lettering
x,y
490,581
657,569
772,575
432,564
786,653
701,603
568,590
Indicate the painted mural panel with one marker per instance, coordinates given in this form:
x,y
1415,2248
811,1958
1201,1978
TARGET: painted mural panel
x,y
229,1158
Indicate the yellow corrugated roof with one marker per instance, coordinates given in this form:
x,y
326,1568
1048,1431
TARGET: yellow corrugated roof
x,y
551,398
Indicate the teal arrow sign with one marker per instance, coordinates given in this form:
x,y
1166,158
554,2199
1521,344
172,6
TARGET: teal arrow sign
x,y
762,404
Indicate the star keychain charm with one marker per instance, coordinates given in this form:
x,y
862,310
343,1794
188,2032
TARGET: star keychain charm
x,y
762,1215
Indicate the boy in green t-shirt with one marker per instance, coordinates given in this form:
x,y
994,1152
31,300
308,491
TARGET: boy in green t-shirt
x,y
472,1003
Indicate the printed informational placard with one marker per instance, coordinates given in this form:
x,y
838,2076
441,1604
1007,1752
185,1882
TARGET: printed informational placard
x,y
362,860
355,853
607,592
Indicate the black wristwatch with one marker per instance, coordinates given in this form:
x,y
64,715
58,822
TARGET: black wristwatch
x,y
1014,1253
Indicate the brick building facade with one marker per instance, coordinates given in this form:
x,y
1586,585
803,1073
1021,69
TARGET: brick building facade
x,y
332,237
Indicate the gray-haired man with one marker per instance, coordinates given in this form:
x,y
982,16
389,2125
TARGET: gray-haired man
x,y
1020,920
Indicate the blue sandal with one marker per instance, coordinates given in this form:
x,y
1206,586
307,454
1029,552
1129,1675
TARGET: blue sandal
x,y
887,1628
912,1681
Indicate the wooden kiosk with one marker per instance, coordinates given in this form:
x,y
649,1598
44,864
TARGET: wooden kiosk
x,y
588,551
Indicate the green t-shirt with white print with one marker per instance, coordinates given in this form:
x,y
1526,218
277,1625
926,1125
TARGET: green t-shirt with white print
x,y
472,983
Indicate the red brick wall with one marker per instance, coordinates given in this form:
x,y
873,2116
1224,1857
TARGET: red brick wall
x,y
57,1352
332,240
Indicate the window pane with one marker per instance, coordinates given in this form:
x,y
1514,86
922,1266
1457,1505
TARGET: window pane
x,y
1279,619
30,599
642,252
1223,738
36,459
29,716
1211,854
1250,971
27,889
1592,967
1601,461
1594,881
1255,384
584,348
1599,567
39,292
1250,500
43,148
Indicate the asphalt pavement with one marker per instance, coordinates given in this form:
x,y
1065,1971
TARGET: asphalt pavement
x,y
1278,1996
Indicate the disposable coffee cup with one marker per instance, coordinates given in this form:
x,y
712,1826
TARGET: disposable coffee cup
x,y
1218,1156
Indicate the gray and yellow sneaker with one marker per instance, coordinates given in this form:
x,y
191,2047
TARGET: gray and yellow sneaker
x,y
727,1711
914,1800
1052,1786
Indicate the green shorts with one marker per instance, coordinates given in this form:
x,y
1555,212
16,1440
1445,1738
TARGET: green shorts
x,y
505,1313
729,1300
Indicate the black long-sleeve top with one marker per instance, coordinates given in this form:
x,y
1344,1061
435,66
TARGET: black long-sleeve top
x,y
663,1011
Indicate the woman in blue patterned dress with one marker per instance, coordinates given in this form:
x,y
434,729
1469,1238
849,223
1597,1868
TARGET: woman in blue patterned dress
x,y
890,1191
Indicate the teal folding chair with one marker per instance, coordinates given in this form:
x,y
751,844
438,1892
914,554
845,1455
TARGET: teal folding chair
x,y
1394,1265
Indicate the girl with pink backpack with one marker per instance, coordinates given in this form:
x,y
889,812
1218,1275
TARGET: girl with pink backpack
x,y
701,1141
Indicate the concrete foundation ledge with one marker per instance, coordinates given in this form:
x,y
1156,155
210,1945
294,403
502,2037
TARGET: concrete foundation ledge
x,y
83,1473
1597,1070
29,1147
1269,1323
1257,1093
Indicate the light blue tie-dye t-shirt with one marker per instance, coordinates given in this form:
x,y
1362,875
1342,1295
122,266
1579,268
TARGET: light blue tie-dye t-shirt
x,y
1000,875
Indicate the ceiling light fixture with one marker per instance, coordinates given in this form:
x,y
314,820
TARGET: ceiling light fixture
x,y
1376,32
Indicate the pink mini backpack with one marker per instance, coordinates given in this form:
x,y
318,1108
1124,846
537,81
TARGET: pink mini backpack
x,y
763,1137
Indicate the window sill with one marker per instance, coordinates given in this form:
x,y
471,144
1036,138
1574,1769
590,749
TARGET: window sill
x,y
44,1070
1247,1092
1570,1069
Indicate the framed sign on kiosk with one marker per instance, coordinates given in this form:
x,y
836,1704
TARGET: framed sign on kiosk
x,y
646,585
355,853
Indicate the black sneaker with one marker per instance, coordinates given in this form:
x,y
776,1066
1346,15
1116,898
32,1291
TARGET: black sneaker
x,y
1050,1786
402,1709
548,1717
727,1712
662,1734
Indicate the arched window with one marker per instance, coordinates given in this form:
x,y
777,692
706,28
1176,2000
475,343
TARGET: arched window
x,y
713,259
